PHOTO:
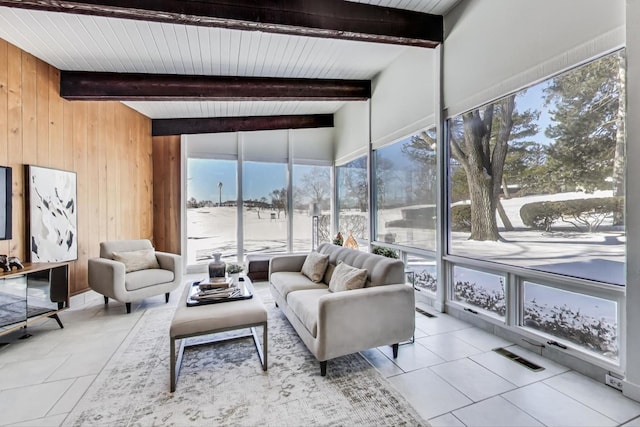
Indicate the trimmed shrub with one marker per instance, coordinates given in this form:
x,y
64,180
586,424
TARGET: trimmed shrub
x,y
584,214
388,252
461,218
540,215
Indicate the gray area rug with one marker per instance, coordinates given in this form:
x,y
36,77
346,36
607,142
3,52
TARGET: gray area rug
x,y
223,384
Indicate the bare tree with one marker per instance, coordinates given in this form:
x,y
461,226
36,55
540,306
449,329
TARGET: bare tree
x,y
481,151
279,201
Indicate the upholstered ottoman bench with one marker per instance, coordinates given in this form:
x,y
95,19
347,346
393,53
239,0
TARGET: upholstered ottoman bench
x,y
212,318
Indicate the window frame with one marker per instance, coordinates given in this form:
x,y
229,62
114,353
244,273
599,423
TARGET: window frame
x,y
517,275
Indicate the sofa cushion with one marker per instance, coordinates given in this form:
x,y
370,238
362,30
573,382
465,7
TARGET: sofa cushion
x,y
380,270
137,260
345,278
305,305
143,278
290,281
315,265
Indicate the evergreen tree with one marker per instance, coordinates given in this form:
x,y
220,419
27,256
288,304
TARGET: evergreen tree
x,y
588,129
422,154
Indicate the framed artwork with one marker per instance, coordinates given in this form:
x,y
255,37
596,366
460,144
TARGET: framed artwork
x,y
52,222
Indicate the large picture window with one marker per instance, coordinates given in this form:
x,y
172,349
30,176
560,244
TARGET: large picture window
x,y
211,209
537,177
265,207
405,189
353,198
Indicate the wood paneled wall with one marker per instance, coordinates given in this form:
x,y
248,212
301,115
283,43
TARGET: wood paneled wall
x,y
107,144
166,193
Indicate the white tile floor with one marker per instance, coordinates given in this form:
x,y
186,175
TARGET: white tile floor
x,y
450,375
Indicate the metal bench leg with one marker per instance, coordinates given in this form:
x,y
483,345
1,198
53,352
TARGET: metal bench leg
x,y
176,361
264,339
172,363
262,350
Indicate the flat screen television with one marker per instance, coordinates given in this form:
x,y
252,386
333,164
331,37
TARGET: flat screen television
x,y
5,203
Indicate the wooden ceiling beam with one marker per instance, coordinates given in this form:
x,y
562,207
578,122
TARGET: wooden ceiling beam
x,y
165,127
337,19
82,85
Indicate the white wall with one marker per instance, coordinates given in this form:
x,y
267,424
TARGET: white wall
x,y
351,124
403,98
403,102
495,47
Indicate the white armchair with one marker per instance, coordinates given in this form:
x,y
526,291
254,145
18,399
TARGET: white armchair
x,y
129,270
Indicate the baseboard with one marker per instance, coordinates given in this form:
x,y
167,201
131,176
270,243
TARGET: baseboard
x,y
631,390
83,298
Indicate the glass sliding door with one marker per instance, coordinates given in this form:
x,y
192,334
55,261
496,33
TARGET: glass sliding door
x,y
352,189
265,208
211,209
311,190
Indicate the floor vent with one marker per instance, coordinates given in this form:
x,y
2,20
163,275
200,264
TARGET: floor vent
x,y
521,360
421,311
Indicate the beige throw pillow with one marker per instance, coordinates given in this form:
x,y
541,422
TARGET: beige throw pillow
x,y
346,278
137,260
314,266
329,273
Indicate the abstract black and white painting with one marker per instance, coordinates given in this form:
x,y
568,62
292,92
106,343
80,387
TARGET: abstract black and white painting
x,y
53,216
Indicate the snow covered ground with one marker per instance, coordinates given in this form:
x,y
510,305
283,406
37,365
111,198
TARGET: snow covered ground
x,y
213,229
565,250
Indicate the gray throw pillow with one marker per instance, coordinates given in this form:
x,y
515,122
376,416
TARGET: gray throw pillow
x,y
137,260
314,266
346,278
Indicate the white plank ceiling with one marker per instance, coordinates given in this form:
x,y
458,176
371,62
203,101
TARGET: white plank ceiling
x,y
436,7
90,43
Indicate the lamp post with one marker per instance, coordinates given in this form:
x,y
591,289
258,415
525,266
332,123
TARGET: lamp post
x,y
219,194
314,213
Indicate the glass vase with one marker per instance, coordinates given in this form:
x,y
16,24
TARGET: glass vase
x,y
217,267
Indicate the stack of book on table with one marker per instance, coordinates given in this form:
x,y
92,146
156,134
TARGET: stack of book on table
x,y
216,288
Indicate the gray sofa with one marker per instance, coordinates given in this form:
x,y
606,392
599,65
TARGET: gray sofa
x,y
334,324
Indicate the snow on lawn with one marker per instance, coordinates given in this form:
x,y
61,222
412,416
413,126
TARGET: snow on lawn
x,y
213,229
565,250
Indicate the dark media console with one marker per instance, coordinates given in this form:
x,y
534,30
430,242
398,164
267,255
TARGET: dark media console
x,y
38,291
